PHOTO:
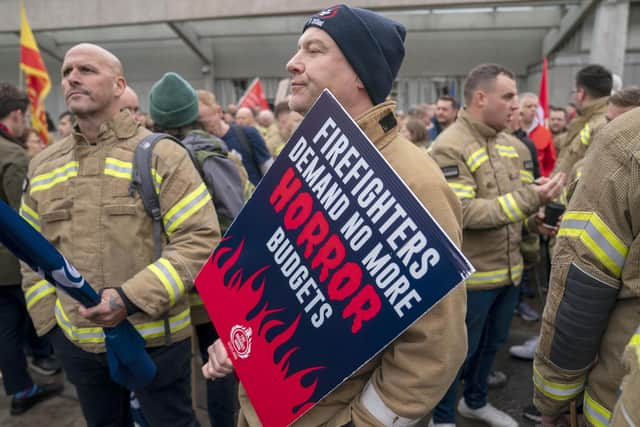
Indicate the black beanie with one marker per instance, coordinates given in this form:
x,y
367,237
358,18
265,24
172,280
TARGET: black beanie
x,y
373,45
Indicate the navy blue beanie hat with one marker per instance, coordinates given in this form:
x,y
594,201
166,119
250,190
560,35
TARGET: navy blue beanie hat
x,y
373,45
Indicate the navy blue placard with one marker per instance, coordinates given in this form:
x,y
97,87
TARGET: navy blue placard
x,y
331,259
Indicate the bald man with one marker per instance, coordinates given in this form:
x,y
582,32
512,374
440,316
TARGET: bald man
x,y
78,196
129,100
245,117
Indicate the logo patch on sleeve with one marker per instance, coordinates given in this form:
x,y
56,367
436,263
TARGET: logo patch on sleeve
x,y
450,171
528,164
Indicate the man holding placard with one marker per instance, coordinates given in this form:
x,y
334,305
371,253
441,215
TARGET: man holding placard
x,y
356,54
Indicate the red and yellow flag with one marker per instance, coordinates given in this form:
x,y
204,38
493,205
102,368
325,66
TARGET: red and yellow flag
x,y
36,76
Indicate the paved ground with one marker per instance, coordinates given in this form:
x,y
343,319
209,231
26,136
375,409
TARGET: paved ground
x,y
64,410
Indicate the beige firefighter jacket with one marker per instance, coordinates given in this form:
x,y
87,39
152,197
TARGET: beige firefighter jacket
x,y
79,198
13,169
560,141
408,379
627,410
593,305
491,173
580,134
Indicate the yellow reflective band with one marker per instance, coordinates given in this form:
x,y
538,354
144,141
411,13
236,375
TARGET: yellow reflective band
x,y
526,176
520,214
503,203
595,413
495,276
634,344
30,216
38,291
121,169
80,335
510,207
592,231
585,134
195,300
156,329
506,151
118,168
463,191
157,180
169,277
247,191
186,207
556,391
148,330
476,159
56,176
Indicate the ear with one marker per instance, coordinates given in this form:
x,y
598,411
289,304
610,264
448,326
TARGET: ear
x,y
119,86
359,83
480,98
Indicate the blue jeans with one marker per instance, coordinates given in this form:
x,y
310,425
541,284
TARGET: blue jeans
x,y
489,314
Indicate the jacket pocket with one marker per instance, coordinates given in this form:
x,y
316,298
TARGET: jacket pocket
x,y
128,249
56,224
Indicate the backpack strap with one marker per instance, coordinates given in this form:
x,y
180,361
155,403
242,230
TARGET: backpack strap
x,y
242,137
142,182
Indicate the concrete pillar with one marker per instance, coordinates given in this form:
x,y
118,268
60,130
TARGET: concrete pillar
x,y
609,35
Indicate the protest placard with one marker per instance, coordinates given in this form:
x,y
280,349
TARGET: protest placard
x,y
331,259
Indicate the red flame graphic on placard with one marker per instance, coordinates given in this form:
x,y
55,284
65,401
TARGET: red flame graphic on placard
x,y
276,392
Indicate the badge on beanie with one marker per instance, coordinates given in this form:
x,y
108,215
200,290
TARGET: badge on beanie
x,y
328,13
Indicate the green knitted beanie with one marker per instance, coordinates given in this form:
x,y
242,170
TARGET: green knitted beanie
x,y
173,103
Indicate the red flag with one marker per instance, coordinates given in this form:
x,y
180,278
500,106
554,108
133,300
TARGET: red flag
x,y
254,96
543,98
37,77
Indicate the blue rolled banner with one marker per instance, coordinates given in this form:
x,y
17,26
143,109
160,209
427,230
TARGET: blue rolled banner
x,y
129,363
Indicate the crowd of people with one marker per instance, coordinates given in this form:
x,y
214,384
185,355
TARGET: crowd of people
x,y
488,172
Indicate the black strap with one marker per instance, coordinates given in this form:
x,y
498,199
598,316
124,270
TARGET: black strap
x,y
242,137
142,182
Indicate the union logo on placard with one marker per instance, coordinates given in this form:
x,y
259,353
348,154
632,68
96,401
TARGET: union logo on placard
x,y
241,341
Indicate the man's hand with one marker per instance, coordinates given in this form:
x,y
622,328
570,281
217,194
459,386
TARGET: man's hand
x,y
550,188
109,312
219,365
546,230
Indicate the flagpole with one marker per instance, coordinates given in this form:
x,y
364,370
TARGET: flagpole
x,y
20,75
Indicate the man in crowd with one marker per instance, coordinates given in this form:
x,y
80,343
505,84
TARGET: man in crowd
x,y
244,139
90,215
622,101
408,378
539,134
14,319
129,100
591,94
65,124
265,123
593,308
446,113
286,122
479,162
558,119
245,117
